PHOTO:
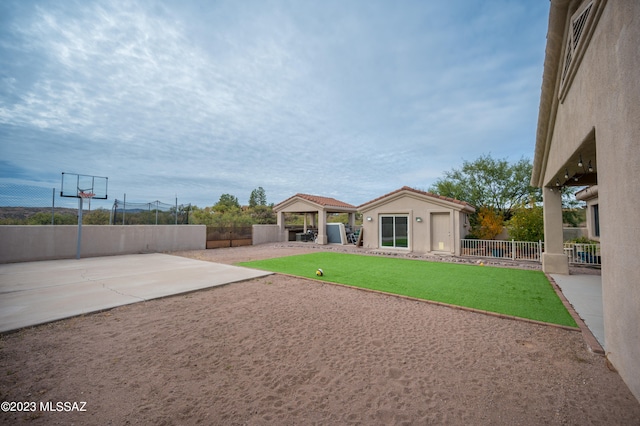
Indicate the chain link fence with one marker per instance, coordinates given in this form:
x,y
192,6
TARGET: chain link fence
x,y
154,213
34,205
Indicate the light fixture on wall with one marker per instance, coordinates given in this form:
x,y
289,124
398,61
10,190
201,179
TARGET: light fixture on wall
x,y
418,219
578,175
369,219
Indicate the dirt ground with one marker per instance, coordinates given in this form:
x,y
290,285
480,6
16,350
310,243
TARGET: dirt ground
x,y
281,350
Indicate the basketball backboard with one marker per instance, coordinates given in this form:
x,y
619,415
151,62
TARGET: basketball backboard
x,y
75,186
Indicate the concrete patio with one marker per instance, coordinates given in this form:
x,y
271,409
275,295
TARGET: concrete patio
x,y
584,292
33,293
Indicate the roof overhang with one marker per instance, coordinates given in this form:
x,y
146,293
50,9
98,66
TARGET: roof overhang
x,y
550,84
417,195
587,194
578,169
301,203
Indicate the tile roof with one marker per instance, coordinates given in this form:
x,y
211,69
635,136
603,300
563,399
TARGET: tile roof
x,y
417,191
323,201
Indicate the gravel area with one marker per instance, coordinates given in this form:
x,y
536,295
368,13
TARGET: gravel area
x,y
282,350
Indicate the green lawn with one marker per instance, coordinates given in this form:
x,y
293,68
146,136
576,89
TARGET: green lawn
x,y
525,294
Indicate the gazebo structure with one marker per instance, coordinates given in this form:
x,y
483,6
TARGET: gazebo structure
x,y
315,209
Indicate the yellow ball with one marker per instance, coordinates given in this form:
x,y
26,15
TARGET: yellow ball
x,y
319,272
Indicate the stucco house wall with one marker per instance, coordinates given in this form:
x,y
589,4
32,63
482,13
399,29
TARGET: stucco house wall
x,y
596,118
435,224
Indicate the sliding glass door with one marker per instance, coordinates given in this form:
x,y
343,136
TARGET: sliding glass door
x,y
394,231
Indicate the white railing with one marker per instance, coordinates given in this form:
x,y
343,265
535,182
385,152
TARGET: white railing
x,y
513,250
583,254
578,254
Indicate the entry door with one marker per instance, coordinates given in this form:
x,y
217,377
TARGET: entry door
x,y
440,231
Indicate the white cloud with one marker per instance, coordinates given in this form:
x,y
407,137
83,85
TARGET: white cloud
x,y
333,98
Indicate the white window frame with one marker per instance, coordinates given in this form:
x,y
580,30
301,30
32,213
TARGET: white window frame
x,y
394,216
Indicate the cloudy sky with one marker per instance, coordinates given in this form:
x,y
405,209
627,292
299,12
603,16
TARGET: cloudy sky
x,y
348,99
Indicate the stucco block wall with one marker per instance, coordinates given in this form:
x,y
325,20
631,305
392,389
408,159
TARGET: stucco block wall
x,y
603,98
28,243
263,234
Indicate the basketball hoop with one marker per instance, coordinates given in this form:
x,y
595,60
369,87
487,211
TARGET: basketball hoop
x,y
83,187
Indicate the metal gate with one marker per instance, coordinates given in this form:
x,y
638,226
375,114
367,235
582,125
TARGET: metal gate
x,y
229,236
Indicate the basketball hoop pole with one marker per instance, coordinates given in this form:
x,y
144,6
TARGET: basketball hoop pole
x,y
79,245
83,187
81,196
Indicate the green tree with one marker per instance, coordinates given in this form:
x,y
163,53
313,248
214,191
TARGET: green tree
x,y
527,223
227,202
202,216
13,221
491,183
258,197
573,214
184,213
260,212
263,215
43,218
96,217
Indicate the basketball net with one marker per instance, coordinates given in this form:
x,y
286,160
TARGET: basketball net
x,y
86,196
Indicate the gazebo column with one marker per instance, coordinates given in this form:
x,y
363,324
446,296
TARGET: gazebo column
x,y
280,222
554,261
322,227
352,220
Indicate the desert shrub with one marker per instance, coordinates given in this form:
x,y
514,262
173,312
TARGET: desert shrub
x,y
527,224
489,224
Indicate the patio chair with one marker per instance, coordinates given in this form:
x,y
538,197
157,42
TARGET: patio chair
x,y
353,237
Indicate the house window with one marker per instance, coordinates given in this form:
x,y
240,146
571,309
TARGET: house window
x,y
394,231
596,220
